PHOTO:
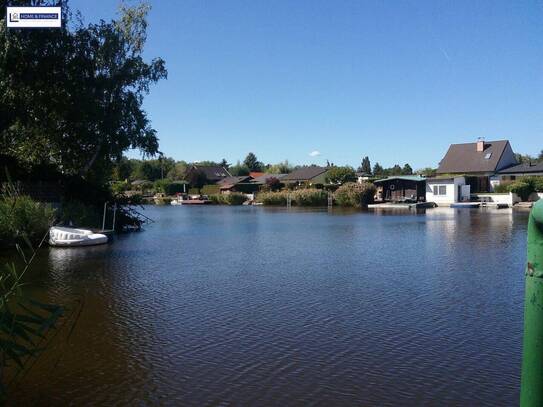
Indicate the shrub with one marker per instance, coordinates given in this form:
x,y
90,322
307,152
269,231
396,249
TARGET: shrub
x,y
210,189
535,182
300,197
272,198
228,199
340,175
504,187
21,216
355,195
309,197
522,189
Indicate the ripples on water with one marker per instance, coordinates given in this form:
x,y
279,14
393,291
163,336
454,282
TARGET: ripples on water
x,y
252,306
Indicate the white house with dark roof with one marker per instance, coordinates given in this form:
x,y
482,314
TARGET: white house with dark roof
x,y
479,162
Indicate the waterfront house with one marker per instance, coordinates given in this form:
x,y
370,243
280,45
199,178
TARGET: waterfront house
x,y
362,177
263,179
447,190
199,175
236,184
521,170
402,187
479,162
310,175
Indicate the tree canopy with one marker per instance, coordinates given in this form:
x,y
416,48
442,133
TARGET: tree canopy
x,y
252,162
73,96
365,166
340,175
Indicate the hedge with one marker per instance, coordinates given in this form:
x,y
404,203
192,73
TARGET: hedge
x,y
355,195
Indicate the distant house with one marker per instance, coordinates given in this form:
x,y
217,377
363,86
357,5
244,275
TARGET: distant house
x,y
362,177
256,174
199,175
306,175
236,184
521,170
397,188
479,162
263,179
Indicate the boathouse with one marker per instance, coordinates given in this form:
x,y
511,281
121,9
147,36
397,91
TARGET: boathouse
x,y
401,188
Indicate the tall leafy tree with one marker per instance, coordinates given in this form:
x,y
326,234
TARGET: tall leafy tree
x,y
378,170
340,175
365,166
252,162
73,96
407,170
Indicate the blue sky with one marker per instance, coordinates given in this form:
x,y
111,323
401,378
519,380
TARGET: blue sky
x,y
395,80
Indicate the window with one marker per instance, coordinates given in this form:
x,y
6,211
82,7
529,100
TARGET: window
x,y
487,156
440,189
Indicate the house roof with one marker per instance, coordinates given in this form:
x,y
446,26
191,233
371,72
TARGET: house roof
x,y
464,158
416,178
231,181
263,178
256,174
524,168
305,173
212,172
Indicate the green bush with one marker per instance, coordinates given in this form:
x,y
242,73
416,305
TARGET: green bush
x,y
300,197
272,198
355,195
228,199
522,189
21,216
210,189
534,181
309,197
504,187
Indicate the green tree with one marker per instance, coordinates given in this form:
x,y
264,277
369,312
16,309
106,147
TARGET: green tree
x,y
407,170
179,171
365,166
540,156
239,170
252,162
73,97
378,170
280,168
396,170
340,175
224,163
427,172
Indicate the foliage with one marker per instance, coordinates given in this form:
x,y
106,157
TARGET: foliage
x,y
73,97
20,216
522,189
280,168
503,187
381,172
378,170
210,189
427,172
234,198
407,170
252,163
300,197
273,184
365,166
239,170
24,322
77,213
178,172
355,194
340,175
525,158
168,187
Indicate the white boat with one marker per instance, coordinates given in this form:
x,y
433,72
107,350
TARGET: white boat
x,y
70,237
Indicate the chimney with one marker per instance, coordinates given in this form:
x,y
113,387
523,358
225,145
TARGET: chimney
x,y
480,145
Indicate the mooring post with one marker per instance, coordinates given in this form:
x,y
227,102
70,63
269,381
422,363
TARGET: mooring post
x,y
531,392
104,217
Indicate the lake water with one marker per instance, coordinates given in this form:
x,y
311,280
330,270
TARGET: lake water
x,y
253,306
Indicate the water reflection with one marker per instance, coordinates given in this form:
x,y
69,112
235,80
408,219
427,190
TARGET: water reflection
x,y
231,305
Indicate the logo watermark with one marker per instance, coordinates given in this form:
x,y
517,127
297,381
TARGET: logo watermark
x,y
34,17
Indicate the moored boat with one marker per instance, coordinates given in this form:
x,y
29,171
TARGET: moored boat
x,y
71,237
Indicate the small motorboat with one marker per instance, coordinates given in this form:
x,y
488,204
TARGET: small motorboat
x,y
70,237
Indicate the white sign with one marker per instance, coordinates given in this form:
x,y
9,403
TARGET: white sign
x,y
34,17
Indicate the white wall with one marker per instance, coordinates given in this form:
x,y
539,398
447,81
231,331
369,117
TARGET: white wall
x,y
452,191
505,198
